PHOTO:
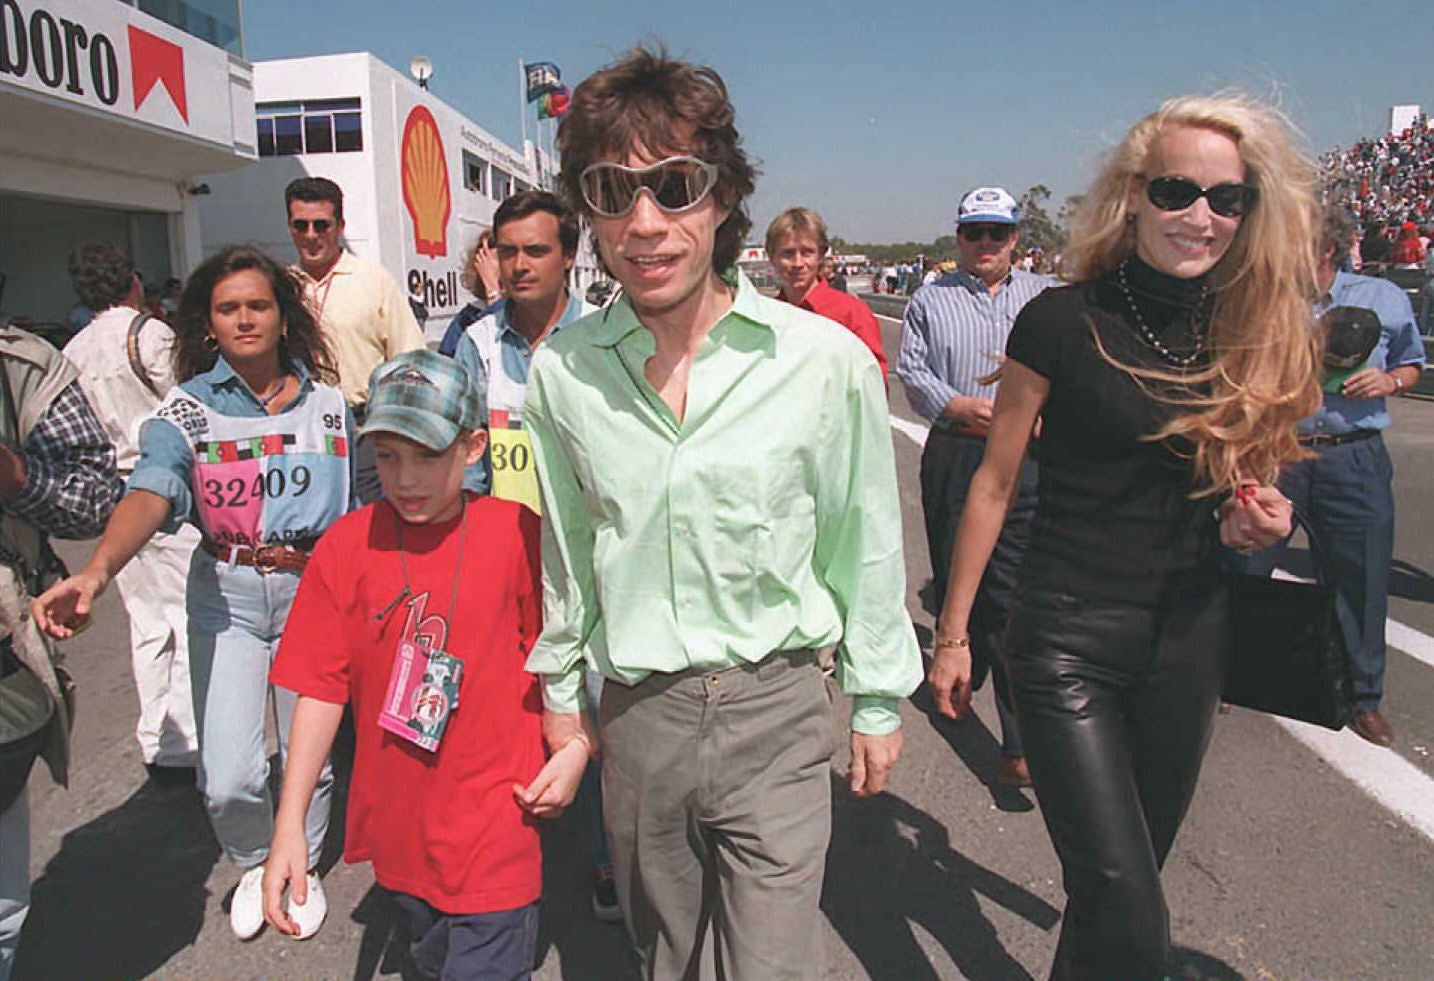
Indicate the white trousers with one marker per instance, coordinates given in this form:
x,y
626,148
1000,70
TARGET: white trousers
x,y
152,586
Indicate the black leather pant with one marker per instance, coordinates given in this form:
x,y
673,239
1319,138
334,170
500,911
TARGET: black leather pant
x,y
1116,703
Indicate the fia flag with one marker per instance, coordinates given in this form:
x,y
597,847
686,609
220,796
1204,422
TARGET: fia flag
x,y
543,77
555,103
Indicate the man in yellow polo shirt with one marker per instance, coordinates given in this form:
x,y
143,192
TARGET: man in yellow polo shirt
x,y
362,311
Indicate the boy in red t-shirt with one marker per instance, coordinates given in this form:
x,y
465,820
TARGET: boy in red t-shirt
x,y
419,611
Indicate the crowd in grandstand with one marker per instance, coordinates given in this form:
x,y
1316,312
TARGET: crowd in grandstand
x,y
1386,180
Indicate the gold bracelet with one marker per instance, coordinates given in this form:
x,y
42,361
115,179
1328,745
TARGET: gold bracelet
x,y
957,642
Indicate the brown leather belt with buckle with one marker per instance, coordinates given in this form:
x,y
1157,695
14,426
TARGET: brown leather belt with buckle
x,y
1337,439
264,559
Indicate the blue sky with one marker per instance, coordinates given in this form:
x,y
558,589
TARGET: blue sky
x,y
880,115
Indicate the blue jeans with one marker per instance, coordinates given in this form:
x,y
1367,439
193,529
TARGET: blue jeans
x,y
1347,494
236,616
14,878
589,798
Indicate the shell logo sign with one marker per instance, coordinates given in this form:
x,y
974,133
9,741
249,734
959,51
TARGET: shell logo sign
x,y
425,183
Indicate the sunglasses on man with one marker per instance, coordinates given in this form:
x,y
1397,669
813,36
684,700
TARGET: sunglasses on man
x,y
1228,200
973,232
302,225
676,184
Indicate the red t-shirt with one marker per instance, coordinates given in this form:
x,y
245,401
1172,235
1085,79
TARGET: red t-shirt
x,y
848,311
442,826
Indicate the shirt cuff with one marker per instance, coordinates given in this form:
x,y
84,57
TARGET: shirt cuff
x,y
875,715
562,693
159,481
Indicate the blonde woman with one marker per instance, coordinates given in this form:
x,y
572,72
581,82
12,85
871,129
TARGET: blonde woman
x,y
1167,377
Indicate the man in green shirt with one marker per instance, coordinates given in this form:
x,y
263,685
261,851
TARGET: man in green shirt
x,y
719,495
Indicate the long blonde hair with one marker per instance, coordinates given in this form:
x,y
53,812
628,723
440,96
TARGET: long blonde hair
x,y
1265,358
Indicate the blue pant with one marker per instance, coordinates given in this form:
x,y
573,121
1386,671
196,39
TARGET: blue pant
x,y
1346,493
497,946
14,878
589,798
236,616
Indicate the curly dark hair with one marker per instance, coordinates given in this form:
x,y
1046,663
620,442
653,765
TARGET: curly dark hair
x,y
302,341
103,275
647,99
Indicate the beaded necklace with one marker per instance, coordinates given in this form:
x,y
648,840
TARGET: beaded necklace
x,y
1151,338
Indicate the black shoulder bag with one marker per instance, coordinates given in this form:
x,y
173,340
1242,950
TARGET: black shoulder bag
x,y
1286,653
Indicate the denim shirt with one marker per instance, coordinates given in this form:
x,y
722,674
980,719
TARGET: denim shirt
x,y
516,360
166,461
1399,345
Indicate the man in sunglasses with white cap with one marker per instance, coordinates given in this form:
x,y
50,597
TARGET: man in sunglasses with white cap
x,y
719,498
952,341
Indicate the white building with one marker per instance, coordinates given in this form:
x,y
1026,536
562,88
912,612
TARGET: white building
x,y
420,180
107,116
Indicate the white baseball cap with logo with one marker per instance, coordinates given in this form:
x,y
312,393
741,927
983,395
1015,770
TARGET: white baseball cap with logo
x,y
993,205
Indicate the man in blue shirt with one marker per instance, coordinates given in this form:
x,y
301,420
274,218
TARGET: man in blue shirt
x,y
953,338
1346,491
536,238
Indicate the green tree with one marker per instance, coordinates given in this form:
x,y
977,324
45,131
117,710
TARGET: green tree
x,y
1037,228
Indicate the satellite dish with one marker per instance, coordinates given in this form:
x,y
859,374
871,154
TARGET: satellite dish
x,y
422,70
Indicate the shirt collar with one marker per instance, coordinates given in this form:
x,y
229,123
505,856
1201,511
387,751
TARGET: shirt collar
x,y
223,374
342,267
573,311
978,285
618,320
814,295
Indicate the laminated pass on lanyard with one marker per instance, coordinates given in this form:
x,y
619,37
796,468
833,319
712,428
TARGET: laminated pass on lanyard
x,y
515,477
423,682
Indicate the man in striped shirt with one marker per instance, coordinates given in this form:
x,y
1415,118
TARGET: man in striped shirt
x,y
953,338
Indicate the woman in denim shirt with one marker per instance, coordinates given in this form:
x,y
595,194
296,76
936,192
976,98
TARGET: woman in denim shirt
x,y
253,448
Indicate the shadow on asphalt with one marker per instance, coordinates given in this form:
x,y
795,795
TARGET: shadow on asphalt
x,y
125,892
1192,965
587,950
892,865
977,748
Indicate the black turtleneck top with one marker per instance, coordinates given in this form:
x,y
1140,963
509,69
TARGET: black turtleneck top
x,y
1114,521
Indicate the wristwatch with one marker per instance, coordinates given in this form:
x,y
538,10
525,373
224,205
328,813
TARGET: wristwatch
x,y
1398,383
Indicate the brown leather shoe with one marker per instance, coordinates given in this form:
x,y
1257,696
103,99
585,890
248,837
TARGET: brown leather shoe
x,y
1370,725
1013,772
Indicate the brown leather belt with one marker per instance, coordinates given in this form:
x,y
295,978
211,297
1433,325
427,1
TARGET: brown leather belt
x,y
264,559
1337,439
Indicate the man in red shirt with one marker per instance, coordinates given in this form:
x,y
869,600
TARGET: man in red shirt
x,y
796,243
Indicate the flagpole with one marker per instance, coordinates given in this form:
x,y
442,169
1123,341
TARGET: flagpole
x,y
523,102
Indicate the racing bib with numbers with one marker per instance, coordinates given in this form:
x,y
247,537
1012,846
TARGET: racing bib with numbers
x,y
515,477
266,479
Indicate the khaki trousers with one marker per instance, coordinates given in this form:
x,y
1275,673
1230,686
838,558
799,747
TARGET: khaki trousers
x,y
718,807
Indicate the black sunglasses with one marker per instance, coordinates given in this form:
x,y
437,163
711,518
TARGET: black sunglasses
x,y
320,225
1228,200
975,232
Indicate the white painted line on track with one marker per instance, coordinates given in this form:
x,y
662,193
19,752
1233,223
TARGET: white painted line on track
x,y
1383,774
911,430
1417,645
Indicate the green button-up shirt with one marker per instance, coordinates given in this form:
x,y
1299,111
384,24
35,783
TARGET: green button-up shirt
x,y
767,519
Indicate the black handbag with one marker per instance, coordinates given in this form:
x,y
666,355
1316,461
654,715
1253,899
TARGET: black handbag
x,y
1286,652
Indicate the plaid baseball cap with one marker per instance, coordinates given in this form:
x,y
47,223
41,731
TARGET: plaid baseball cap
x,y
991,205
425,396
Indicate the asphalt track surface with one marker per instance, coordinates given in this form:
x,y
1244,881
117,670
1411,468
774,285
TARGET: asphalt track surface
x,y
1304,857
